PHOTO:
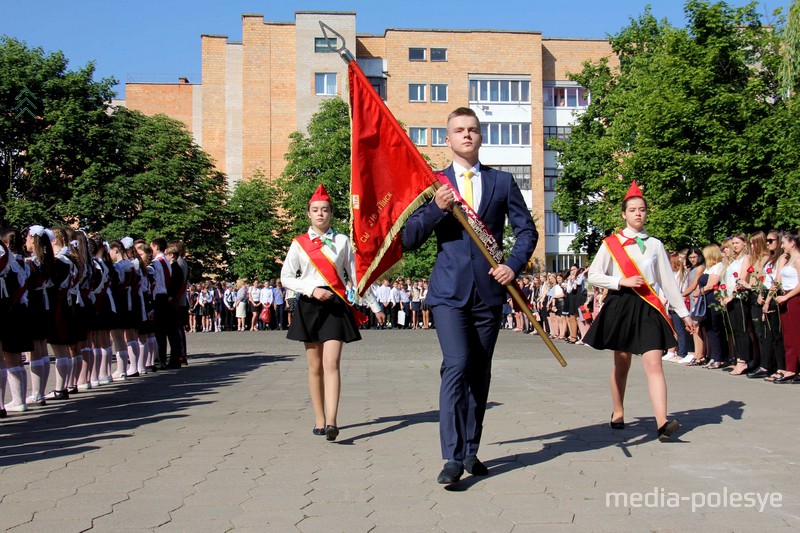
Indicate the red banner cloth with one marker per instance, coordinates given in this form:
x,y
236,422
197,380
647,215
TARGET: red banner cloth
x,y
390,179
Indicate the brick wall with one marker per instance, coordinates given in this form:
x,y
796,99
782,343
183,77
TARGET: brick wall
x,y
174,100
214,97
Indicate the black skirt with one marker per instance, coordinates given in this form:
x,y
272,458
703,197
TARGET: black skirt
x,y
629,324
317,321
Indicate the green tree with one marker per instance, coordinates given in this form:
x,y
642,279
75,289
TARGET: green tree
x,y
254,242
321,156
685,116
51,120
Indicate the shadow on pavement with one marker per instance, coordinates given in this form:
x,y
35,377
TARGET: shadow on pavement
x,y
82,423
598,436
398,422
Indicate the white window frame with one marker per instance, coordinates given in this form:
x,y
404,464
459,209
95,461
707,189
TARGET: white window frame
x,y
421,137
438,136
506,133
499,90
436,88
420,87
424,53
324,76
439,60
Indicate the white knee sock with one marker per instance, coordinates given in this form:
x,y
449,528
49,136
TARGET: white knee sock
x,y
37,373
153,344
97,354
108,356
18,384
74,370
122,362
133,357
45,375
63,366
144,354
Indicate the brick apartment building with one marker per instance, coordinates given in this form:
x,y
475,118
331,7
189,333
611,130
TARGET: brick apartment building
x,y
254,93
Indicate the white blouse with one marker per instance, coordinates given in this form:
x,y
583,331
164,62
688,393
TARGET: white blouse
x,y
301,276
653,263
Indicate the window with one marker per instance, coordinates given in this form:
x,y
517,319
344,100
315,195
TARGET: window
x,y
521,173
438,54
416,92
416,54
557,132
500,91
437,136
379,84
438,93
550,177
553,224
509,134
325,83
419,136
324,45
566,97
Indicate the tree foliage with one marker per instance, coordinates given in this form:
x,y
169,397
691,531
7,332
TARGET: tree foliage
x,y
67,158
255,238
689,115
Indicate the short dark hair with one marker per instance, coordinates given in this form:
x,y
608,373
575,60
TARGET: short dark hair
x,y
160,243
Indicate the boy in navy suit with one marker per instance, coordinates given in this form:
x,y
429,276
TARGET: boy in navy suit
x,y
465,293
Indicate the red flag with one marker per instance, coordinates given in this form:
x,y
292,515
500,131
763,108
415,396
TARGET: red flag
x,y
390,179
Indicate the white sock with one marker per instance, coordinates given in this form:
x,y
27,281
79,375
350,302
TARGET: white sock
x,y
18,385
144,355
45,376
122,362
153,344
97,353
63,365
133,357
37,372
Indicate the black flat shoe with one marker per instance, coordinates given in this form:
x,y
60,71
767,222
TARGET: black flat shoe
x,y
785,378
331,432
451,473
760,373
666,431
474,466
619,424
318,431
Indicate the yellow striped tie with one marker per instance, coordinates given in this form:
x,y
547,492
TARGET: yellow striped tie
x,y
468,187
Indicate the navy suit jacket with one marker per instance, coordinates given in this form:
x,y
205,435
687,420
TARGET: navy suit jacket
x,y
459,262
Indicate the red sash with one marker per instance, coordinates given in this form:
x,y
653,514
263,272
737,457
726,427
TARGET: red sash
x,y
327,269
165,270
629,268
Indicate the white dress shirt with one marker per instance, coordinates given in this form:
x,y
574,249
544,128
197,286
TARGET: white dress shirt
x,y
653,263
477,185
309,279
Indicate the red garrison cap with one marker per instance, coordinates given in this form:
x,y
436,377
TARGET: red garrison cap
x,y
633,192
320,195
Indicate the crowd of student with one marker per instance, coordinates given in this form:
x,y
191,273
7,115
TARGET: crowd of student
x,y
742,294
105,309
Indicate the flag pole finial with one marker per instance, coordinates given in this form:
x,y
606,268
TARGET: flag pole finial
x,y
343,52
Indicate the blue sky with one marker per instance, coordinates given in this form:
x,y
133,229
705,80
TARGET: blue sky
x,y
150,40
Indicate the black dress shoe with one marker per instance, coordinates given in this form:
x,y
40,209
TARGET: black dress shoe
x,y
3,413
73,390
666,431
616,424
474,466
451,472
318,431
760,373
331,432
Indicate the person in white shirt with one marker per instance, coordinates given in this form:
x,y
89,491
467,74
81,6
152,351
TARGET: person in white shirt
x,y
254,297
323,319
633,266
267,300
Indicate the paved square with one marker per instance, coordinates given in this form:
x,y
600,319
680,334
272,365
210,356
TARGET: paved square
x,y
226,445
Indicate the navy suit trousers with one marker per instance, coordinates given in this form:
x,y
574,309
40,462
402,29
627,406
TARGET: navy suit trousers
x,y
467,336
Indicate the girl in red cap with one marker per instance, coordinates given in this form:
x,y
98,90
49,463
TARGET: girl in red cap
x,y
633,319
323,319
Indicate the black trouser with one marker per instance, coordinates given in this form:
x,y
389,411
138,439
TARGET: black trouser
x,y
773,354
167,327
739,314
280,314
